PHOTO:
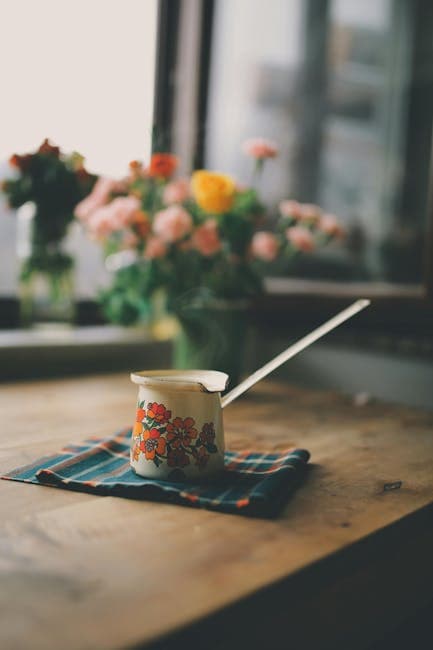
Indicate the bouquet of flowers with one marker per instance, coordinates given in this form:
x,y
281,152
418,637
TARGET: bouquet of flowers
x,y
52,183
200,239
201,242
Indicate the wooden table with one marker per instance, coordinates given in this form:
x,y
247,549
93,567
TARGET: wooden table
x,y
349,556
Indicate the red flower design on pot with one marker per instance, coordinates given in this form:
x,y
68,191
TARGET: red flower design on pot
x,y
207,434
201,457
177,457
181,432
152,444
158,412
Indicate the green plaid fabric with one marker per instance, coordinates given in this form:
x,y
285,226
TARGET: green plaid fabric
x,y
252,483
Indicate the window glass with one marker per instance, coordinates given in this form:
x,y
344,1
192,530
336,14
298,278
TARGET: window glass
x,y
345,88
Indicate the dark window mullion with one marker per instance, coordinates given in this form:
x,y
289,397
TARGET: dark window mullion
x,y
165,74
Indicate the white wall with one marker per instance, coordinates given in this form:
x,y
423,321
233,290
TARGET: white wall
x,y
81,73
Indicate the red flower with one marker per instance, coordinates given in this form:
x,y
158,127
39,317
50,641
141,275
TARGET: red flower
x,y
152,444
201,457
48,148
158,412
14,161
207,434
20,162
177,458
181,432
141,414
162,165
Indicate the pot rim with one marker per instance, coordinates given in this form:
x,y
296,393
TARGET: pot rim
x,y
204,381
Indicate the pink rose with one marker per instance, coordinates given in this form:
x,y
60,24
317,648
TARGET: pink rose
x,y
114,216
155,248
172,224
300,238
84,209
330,226
290,209
206,238
176,191
264,246
124,210
102,223
99,196
260,148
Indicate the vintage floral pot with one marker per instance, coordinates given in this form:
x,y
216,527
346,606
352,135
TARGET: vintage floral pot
x,y
178,432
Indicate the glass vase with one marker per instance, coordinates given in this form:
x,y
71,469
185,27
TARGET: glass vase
x,y
46,281
213,337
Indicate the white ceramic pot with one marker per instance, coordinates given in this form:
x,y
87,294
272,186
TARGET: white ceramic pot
x,y
178,432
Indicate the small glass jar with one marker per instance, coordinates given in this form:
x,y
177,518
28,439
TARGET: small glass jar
x,y
46,282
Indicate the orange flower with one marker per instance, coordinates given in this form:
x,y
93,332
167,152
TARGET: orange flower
x,y
152,444
20,162
213,192
135,168
181,432
141,414
137,430
158,412
141,223
14,161
162,165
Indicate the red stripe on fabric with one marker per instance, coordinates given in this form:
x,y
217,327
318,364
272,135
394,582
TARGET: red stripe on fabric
x,y
240,456
191,497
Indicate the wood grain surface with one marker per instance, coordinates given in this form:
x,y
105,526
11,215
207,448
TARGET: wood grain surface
x,y
82,572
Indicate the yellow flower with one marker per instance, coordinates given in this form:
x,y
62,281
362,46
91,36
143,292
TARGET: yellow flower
x,y
213,192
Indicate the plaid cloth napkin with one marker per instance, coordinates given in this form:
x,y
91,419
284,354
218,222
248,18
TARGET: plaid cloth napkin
x,y
252,483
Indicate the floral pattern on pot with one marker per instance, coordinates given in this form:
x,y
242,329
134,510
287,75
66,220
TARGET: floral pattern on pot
x,y
175,440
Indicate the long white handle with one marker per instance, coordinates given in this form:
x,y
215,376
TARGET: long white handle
x,y
300,345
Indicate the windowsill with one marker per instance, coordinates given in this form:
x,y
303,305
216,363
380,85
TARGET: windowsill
x,y
62,351
376,290
64,336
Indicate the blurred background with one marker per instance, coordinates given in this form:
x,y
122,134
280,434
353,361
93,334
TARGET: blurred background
x,y
344,88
